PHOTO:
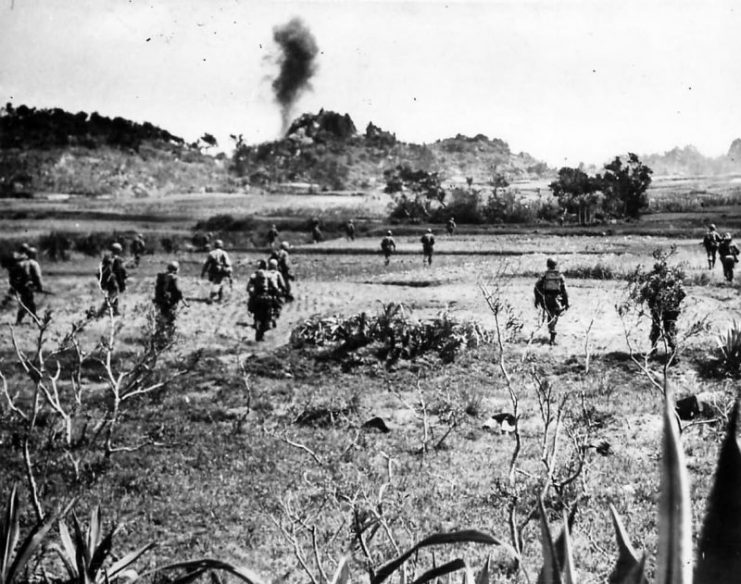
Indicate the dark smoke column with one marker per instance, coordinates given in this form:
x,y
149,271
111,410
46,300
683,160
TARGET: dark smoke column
x,y
296,60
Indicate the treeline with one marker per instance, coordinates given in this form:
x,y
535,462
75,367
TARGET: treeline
x,y
620,191
27,127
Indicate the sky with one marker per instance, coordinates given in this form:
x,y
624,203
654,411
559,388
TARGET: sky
x,y
567,81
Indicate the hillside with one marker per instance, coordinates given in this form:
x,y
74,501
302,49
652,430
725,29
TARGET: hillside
x,y
53,151
326,150
689,161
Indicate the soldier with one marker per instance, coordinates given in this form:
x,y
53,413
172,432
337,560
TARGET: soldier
x,y
284,266
112,279
167,295
710,241
388,246
662,291
262,293
278,284
316,232
551,296
350,230
138,246
728,253
24,275
273,235
15,276
428,243
218,268
451,226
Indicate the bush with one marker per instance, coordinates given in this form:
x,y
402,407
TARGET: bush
x,y
395,334
56,245
596,272
227,222
727,355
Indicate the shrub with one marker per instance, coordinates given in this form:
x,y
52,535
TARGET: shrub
x,y
395,334
727,355
598,271
56,245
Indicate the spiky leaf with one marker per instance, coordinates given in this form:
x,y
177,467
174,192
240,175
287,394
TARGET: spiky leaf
x,y
483,576
674,555
628,568
467,536
719,553
550,573
558,545
204,565
447,568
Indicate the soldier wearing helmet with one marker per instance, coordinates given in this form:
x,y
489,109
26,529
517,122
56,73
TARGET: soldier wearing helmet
x,y
284,267
551,296
273,235
25,279
218,269
263,300
728,253
167,296
350,230
711,241
388,246
428,244
138,247
112,279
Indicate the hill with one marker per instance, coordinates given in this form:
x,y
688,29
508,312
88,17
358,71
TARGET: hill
x,y
53,151
689,161
326,150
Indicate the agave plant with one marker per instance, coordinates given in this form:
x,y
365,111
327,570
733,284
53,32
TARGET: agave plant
x,y
84,553
13,558
728,352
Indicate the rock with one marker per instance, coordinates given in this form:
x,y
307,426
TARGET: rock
x,y
706,404
377,423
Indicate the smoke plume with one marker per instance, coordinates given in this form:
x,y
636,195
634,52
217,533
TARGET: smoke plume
x,y
296,61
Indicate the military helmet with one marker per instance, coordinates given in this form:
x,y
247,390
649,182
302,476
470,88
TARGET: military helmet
x,y
272,263
32,252
116,247
218,243
551,263
388,232
261,265
712,226
727,236
173,266
429,231
285,245
25,247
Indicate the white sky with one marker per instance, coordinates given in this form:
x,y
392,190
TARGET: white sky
x,y
565,80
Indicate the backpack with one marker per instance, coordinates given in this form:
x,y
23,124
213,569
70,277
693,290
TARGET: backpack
x,y
163,290
710,240
386,244
260,283
552,282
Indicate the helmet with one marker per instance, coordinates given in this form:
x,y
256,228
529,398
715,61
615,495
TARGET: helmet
x,y
140,236
712,226
727,236
32,252
25,247
285,245
429,231
551,264
173,266
218,243
116,248
261,265
273,263
388,232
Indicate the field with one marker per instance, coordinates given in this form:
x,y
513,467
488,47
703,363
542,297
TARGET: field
x,y
257,447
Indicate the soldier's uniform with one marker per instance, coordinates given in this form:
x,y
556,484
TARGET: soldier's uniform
x,y
218,268
262,296
138,246
167,296
277,286
350,230
428,244
551,296
388,246
272,236
451,226
112,279
284,267
728,253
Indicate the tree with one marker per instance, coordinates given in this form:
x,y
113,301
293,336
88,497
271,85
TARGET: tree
x,y
625,185
416,192
577,192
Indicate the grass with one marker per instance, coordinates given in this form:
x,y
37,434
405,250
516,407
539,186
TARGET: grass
x,y
221,462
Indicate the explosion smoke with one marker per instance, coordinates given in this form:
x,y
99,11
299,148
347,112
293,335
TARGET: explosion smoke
x,y
298,51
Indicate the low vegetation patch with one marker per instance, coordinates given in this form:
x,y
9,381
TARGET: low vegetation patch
x,y
392,334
